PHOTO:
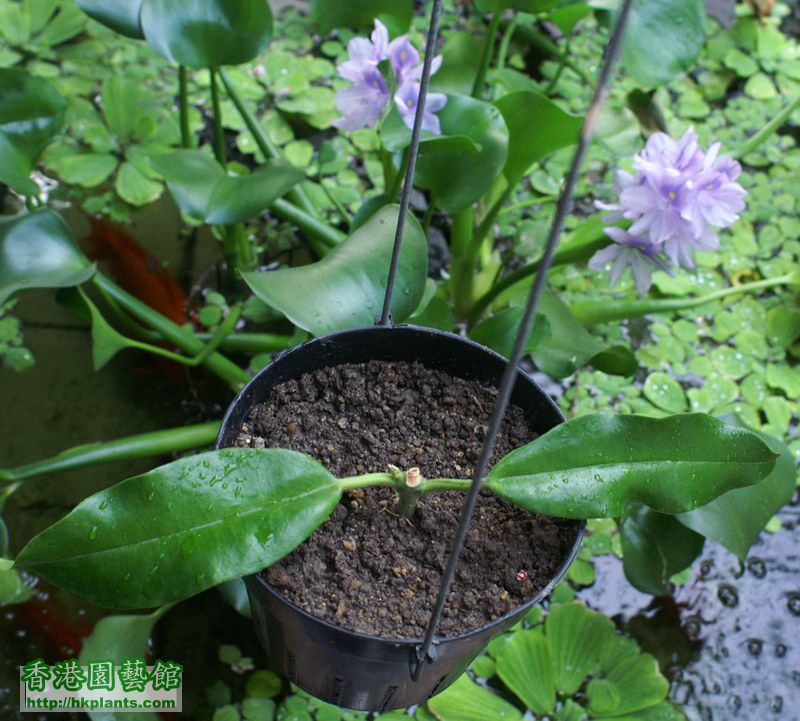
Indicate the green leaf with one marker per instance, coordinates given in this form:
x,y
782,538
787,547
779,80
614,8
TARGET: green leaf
x,y
639,682
360,14
655,547
205,192
527,6
499,331
467,701
576,636
86,170
116,638
135,187
38,250
346,288
736,518
595,465
120,15
31,114
784,378
663,39
207,33
783,326
570,346
554,129
525,666
664,392
616,360
476,172
461,56
183,527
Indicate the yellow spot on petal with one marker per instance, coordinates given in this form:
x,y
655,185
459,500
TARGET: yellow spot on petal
x,y
672,195
410,103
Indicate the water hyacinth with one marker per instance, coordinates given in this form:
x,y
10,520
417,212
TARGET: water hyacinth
x,y
677,199
364,101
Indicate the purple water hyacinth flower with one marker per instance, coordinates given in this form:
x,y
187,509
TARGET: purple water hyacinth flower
x,y
677,199
629,251
406,100
363,102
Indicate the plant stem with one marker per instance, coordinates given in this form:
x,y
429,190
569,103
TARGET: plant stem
x,y
322,236
265,145
185,339
752,143
429,485
591,313
252,342
216,118
183,107
143,445
584,242
491,215
486,56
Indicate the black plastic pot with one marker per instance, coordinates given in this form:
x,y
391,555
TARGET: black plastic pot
x,y
343,667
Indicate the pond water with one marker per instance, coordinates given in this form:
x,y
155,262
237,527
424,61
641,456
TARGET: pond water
x,y
728,639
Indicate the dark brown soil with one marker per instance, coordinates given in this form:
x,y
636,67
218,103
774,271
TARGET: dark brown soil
x,y
369,569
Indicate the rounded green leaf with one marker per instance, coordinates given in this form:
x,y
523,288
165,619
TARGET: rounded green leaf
x,y
119,15
525,666
465,700
663,39
664,392
86,169
595,465
360,14
437,170
346,288
207,33
536,127
461,57
38,250
31,113
183,527
133,186
499,331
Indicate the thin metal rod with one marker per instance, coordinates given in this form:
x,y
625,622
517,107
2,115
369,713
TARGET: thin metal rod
x,y
511,370
413,150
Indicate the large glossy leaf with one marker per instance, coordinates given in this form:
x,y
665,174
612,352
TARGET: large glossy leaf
x,y
595,465
185,526
116,638
31,113
461,57
525,666
119,15
655,547
465,700
536,127
663,39
360,14
205,192
38,250
499,331
207,33
346,288
736,518
457,179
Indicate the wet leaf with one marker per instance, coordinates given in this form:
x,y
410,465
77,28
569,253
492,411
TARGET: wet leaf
x,y
664,392
467,701
31,114
207,33
205,192
554,129
663,39
736,518
346,288
499,331
184,527
655,547
38,250
593,466
783,326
